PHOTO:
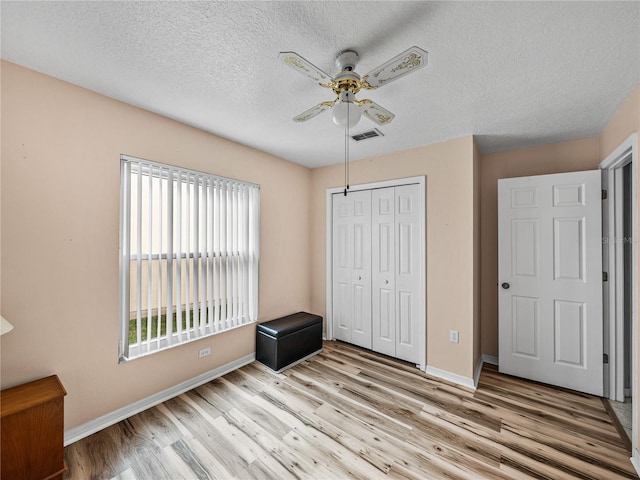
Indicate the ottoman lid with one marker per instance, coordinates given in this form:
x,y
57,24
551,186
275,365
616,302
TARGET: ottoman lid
x,y
291,323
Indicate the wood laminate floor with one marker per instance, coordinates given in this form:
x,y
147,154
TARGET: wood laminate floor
x,y
350,413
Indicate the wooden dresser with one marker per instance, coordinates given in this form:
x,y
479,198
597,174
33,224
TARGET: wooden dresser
x,y
32,423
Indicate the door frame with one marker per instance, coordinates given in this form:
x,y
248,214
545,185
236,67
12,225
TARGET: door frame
x,y
421,180
611,250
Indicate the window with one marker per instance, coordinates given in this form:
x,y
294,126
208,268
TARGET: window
x,y
189,250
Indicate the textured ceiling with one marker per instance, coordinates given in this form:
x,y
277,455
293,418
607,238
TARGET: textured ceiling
x,y
515,74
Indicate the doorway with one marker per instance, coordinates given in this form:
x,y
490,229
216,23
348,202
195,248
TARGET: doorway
x,y
620,236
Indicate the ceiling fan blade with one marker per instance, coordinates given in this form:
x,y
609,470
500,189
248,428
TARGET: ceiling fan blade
x,y
408,61
305,67
313,111
376,113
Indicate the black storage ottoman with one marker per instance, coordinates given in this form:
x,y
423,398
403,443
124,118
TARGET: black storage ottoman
x,y
285,341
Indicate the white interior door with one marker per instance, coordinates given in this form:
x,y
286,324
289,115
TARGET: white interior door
x,y
352,268
550,276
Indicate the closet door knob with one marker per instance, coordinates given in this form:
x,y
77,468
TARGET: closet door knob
x,y
386,282
505,285
359,277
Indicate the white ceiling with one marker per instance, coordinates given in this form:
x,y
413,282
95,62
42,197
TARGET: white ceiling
x,y
515,74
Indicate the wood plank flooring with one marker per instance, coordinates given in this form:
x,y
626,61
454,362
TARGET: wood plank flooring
x,y
350,413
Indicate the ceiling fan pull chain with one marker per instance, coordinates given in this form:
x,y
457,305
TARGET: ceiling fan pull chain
x,y
346,144
346,181
346,155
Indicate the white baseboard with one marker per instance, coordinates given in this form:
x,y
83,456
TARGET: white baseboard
x,y
451,377
635,460
476,375
81,431
490,359
467,382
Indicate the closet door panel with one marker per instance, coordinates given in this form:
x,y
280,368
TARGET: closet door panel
x,y
341,268
361,268
408,258
383,271
352,268
406,335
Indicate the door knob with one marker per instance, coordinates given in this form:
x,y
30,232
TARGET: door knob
x,y
505,285
359,277
386,282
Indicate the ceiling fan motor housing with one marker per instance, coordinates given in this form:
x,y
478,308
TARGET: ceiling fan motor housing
x,y
347,81
347,60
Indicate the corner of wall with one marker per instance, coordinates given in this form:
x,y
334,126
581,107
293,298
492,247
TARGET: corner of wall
x,y
623,123
477,248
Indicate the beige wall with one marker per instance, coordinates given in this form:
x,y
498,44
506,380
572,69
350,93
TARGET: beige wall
x,y
556,158
61,149
59,235
625,122
449,171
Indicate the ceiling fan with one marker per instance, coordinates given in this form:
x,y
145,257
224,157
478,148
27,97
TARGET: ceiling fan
x,y
346,109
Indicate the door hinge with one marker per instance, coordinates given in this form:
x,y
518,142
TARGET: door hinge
x,y
605,358
605,277
604,194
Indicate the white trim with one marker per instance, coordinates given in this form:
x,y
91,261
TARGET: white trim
x,y
635,218
490,359
635,460
607,330
164,344
81,431
615,157
451,377
381,184
476,375
421,180
615,160
328,318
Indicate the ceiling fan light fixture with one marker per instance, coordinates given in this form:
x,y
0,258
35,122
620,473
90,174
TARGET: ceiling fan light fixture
x,y
347,83
345,113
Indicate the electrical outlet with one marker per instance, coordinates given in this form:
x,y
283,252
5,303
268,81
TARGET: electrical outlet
x,y
453,336
204,352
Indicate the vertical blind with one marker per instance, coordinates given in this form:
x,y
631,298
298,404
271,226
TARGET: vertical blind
x,y
189,251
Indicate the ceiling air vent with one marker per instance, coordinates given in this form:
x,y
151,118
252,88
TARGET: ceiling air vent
x,y
367,135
